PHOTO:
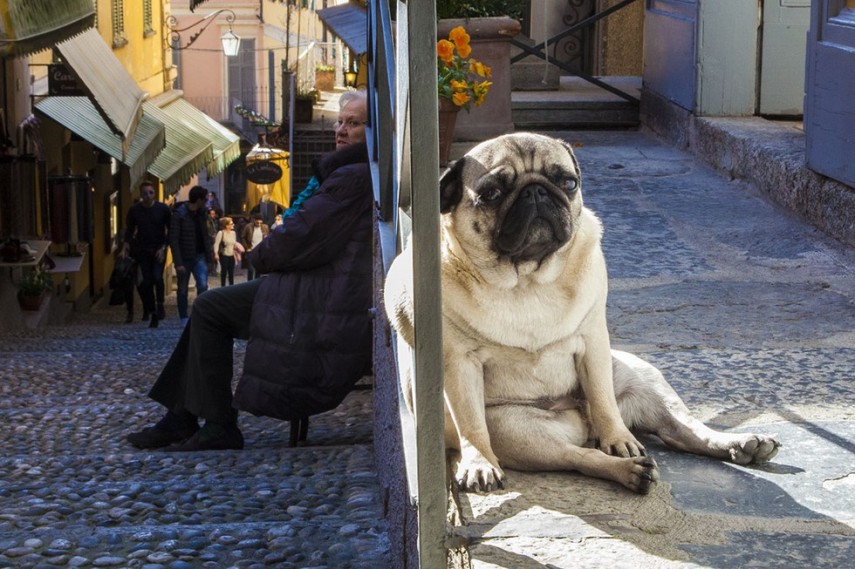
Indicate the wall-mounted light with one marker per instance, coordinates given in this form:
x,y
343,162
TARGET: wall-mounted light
x,y
230,41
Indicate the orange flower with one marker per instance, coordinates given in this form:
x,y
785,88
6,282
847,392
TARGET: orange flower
x,y
445,51
459,78
460,99
461,41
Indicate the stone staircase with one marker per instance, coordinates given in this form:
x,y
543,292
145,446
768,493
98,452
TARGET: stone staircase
x,y
74,493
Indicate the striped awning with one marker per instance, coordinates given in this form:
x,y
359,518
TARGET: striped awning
x,y
186,152
79,115
114,92
226,144
35,25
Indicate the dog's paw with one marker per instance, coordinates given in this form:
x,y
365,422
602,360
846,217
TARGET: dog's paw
x,y
640,474
621,443
750,449
479,475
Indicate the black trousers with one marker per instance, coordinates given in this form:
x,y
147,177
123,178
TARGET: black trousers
x,y
151,287
198,375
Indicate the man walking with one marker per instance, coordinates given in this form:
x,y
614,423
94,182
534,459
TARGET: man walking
x,y
252,235
191,246
146,236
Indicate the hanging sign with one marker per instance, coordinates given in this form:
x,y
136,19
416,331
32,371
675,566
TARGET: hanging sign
x,y
263,172
62,82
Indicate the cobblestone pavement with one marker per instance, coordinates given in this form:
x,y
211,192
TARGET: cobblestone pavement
x,y
74,493
750,314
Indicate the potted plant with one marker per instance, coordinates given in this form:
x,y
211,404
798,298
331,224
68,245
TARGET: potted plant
x,y
461,82
490,31
324,77
304,102
33,288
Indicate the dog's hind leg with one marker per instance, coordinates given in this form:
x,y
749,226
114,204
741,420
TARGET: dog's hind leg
x,y
533,439
648,403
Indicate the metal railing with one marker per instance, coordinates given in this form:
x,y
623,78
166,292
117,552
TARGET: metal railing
x,y
403,100
539,50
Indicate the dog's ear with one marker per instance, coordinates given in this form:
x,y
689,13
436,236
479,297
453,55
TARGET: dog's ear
x,y
451,186
572,154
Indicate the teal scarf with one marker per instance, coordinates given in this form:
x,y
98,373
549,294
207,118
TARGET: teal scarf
x,y
311,187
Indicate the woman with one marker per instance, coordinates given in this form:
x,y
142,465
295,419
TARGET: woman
x,y
224,250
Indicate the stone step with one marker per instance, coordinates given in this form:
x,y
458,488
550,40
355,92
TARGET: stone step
x,y
577,104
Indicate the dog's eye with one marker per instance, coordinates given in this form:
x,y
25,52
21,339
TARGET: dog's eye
x,y
571,185
490,194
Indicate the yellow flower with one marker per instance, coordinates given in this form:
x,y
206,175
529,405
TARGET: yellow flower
x,y
460,99
479,68
445,51
459,86
480,90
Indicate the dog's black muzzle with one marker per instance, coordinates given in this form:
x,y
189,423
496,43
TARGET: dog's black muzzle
x,y
535,225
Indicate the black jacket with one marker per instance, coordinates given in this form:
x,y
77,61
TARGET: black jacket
x,y
147,227
188,235
310,329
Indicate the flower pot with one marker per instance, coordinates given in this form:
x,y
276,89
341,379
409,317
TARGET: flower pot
x,y
491,44
324,80
29,301
303,109
448,112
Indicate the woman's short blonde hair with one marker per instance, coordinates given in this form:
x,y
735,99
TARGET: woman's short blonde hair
x,y
225,221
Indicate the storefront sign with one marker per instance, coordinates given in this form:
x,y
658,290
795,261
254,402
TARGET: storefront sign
x,y
62,82
263,172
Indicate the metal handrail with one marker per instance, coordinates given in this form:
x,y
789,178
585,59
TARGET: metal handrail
x,y
403,100
538,50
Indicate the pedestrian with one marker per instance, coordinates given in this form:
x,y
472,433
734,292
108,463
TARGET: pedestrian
x,y
146,237
212,224
224,250
267,209
277,221
252,235
308,320
122,281
191,247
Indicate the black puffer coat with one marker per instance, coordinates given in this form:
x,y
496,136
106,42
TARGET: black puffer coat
x,y
310,330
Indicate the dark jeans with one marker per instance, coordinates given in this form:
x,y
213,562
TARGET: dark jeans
x,y
198,375
151,286
227,268
250,270
199,269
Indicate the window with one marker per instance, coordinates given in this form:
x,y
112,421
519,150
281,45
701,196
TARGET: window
x,y
119,38
148,29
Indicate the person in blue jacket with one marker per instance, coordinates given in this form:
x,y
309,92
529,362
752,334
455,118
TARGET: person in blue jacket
x,y
307,321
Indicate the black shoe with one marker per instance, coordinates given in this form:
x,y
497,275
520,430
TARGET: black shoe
x,y
167,431
161,312
129,318
153,322
211,437
146,315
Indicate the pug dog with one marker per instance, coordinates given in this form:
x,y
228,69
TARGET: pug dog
x,y
531,381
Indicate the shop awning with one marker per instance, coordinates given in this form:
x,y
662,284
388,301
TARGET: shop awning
x,y
186,152
34,25
114,92
79,115
350,23
226,144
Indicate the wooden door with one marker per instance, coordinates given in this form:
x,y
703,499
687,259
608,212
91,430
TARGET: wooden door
x,y
782,68
830,90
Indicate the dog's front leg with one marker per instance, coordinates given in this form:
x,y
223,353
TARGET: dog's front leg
x,y
464,398
595,373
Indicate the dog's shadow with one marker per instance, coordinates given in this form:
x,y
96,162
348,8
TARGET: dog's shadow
x,y
703,511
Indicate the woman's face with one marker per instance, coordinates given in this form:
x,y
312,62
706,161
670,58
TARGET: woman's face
x,y
350,127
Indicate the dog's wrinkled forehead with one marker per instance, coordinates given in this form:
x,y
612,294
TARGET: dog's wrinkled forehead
x,y
525,152
514,159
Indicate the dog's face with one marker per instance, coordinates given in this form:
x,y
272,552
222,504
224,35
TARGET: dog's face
x,y
513,200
